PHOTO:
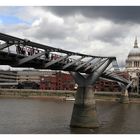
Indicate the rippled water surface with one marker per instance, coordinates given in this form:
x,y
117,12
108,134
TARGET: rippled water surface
x,y
40,116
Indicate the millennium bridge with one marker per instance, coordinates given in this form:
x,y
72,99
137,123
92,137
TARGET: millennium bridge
x,y
85,69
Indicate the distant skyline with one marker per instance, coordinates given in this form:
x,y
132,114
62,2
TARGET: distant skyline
x,y
95,30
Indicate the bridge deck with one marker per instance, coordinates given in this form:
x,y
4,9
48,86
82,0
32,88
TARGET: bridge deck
x,y
65,60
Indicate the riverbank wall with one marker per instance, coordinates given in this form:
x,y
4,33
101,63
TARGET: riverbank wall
x,y
32,92
62,94
37,94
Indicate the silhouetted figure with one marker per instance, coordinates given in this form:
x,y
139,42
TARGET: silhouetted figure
x,y
23,51
28,51
18,49
36,51
52,56
47,55
32,51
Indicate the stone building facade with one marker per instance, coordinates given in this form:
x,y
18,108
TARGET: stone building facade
x,y
32,75
133,65
8,79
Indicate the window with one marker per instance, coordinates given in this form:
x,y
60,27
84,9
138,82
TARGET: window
x,y
135,64
130,64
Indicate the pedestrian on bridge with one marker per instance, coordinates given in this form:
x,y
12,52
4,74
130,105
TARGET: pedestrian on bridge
x,y
18,49
47,55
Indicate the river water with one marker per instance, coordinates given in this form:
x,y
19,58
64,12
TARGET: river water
x,y
41,116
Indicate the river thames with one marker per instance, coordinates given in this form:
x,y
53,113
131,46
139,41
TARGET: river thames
x,y
42,116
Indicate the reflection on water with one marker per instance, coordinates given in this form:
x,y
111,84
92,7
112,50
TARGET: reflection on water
x,y
36,116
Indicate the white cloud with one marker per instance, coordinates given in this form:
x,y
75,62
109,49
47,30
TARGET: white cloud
x,y
37,22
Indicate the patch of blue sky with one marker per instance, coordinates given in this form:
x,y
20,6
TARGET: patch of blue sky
x,y
8,19
14,15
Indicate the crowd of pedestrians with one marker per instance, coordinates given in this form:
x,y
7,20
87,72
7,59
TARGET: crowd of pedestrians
x,y
26,50
29,51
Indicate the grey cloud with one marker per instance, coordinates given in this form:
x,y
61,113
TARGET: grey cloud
x,y
115,13
51,33
112,35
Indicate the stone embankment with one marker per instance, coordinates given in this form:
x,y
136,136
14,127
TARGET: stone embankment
x,y
63,95
31,93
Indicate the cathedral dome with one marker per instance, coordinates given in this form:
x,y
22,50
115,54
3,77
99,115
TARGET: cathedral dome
x,y
133,60
135,51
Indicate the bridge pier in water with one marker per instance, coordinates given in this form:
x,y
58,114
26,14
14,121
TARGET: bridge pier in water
x,y
124,97
84,110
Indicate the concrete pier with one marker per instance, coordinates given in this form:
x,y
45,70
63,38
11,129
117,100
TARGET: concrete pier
x,y
124,97
84,110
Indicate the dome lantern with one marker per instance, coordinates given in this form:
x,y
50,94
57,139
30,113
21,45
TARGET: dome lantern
x,y
135,43
135,51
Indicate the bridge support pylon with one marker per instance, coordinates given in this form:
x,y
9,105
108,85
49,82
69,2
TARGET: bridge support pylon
x,y
84,110
124,97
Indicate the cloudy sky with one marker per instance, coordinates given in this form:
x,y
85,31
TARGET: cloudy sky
x,y
95,30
